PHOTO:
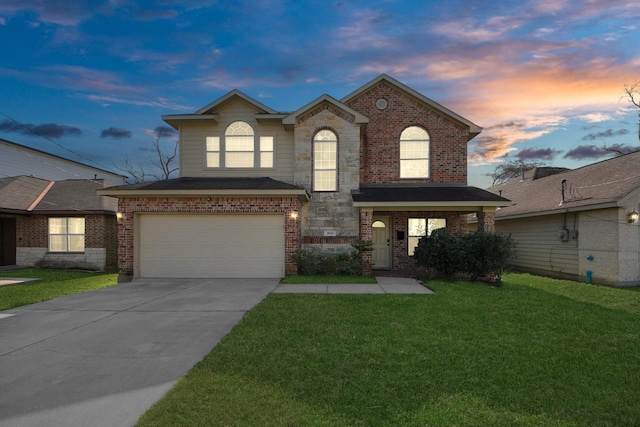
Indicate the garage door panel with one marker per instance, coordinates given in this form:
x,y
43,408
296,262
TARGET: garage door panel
x,y
211,246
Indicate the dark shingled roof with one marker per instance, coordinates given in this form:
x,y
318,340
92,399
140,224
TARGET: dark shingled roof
x,y
18,193
424,193
75,195
189,183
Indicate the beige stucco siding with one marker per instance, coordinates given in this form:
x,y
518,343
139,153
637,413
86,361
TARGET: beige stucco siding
x,y
193,136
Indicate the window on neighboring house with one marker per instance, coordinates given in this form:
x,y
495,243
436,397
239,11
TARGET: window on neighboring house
x,y
325,169
66,234
414,153
238,148
420,227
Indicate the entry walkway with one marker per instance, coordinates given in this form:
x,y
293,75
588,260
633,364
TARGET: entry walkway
x,y
385,285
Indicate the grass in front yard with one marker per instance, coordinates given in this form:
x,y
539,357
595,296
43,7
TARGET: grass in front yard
x,y
533,352
297,279
54,283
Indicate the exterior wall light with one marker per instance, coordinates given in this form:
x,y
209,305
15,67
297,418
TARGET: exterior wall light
x,y
293,215
633,216
119,215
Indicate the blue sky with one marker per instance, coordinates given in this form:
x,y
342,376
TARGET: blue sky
x,y
545,79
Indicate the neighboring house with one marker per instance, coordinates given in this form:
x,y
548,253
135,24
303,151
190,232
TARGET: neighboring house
x,y
385,163
56,224
19,160
577,223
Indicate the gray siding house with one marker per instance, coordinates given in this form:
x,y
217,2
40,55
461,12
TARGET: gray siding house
x,y
580,224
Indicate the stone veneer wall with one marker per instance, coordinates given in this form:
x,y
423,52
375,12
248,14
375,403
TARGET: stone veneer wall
x,y
90,259
330,223
128,207
380,155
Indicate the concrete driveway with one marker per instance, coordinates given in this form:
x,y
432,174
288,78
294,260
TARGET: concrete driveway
x,y
102,358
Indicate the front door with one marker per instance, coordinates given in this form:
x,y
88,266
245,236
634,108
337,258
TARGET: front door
x,y
381,242
7,241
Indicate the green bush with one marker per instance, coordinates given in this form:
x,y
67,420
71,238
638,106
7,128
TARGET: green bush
x,y
478,254
331,264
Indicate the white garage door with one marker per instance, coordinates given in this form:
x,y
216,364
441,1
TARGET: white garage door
x,y
207,246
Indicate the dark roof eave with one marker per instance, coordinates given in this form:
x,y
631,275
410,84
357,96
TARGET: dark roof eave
x,y
204,192
77,212
559,210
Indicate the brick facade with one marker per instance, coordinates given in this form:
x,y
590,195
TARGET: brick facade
x,y
101,241
380,153
130,206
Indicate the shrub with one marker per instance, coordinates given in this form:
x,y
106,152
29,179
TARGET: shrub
x,y
331,264
479,254
440,251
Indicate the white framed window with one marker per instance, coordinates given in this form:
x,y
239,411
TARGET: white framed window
x,y
325,165
420,227
212,154
238,149
66,234
239,145
266,151
414,153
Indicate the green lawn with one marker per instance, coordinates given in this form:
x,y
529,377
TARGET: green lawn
x,y
534,352
53,283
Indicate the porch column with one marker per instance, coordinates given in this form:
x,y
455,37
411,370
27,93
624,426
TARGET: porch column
x,y
293,233
366,218
486,220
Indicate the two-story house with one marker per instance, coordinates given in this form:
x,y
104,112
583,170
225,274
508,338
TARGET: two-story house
x,y
385,163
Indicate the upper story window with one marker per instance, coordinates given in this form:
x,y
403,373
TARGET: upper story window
x,y
325,165
239,145
239,148
66,234
414,153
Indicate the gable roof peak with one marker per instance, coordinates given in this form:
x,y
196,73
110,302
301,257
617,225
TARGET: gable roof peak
x,y
474,129
358,117
239,94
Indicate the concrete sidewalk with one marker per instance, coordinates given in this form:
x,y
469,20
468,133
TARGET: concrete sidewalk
x,y
385,285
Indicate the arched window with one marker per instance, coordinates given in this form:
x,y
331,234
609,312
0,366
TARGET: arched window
x,y
239,145
414,153
325,165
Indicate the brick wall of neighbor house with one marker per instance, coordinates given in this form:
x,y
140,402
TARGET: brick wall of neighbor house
x,y
130,206
380,155
330,223
100,244
600,234
400,260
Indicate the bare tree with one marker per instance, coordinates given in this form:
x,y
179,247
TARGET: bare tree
x,y
511,169
633,94
161,160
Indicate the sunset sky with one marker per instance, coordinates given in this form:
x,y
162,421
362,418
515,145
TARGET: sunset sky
x,y
90,80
